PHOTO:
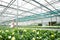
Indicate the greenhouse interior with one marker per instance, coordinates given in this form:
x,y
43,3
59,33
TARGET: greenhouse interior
x,y
29,19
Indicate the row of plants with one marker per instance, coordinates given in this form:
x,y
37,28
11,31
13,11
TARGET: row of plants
x,y
28,34
33,26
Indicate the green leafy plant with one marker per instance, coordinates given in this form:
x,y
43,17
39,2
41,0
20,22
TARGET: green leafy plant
x,y
28,34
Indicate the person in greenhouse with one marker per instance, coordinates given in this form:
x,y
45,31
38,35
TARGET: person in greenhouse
x,y
12,24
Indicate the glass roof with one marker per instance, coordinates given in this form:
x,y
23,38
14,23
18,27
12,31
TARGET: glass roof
x,y
28,9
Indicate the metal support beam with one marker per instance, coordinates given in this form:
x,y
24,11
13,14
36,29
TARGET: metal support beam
x,y
51,5
11,2
16,5
18,9
29,3
17,15
43,5
34,5
26,8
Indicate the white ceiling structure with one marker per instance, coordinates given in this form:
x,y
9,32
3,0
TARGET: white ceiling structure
x,y
8,8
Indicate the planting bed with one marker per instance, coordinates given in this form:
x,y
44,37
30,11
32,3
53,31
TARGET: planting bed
x,y
28,34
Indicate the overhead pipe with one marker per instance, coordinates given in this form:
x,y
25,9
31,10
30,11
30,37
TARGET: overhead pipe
x,y
24,11
16,5
20,9
7,16
34,5
51,5
9,4
23,7
37,6
42,5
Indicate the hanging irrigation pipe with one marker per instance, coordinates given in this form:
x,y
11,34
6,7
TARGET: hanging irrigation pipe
x,y
11,2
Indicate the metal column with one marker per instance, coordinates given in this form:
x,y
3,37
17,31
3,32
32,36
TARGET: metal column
x,y
17,15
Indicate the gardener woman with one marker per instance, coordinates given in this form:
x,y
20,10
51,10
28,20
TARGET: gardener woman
x,y
12,24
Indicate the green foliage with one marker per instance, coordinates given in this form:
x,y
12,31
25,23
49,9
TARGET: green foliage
x,y
28,34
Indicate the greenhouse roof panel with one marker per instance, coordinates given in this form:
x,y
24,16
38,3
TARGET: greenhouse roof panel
x,y
8,8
